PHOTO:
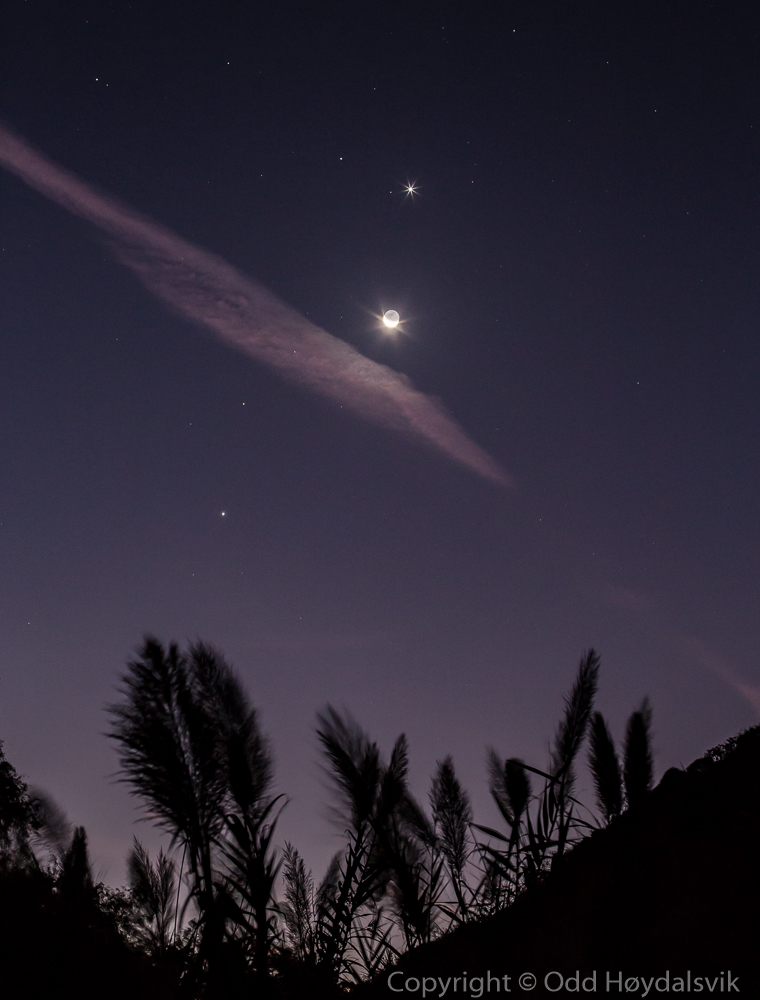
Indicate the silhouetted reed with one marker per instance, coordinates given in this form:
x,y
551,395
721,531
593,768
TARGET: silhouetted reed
x,y
191,749
189,745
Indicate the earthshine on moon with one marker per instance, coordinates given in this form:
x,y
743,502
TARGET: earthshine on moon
x,y
391,318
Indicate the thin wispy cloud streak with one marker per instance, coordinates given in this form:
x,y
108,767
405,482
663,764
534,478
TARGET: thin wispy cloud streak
x,y
700,652
207,290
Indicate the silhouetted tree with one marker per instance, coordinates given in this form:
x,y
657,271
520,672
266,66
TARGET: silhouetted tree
x,y
52,829
75,882
18,816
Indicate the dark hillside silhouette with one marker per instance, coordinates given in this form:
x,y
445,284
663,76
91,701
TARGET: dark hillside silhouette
x,y
55,937
672,884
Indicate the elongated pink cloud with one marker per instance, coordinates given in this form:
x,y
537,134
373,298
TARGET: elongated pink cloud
x,y
212,293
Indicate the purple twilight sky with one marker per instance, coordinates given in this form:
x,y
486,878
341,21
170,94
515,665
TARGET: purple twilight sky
x,y
577,279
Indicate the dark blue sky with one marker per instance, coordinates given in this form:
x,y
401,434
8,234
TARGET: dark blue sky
x,y
579,282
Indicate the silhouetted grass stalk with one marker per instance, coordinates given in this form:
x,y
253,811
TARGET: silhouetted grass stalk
x,y
190,746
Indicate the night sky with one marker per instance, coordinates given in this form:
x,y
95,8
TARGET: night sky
x,y
578,284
